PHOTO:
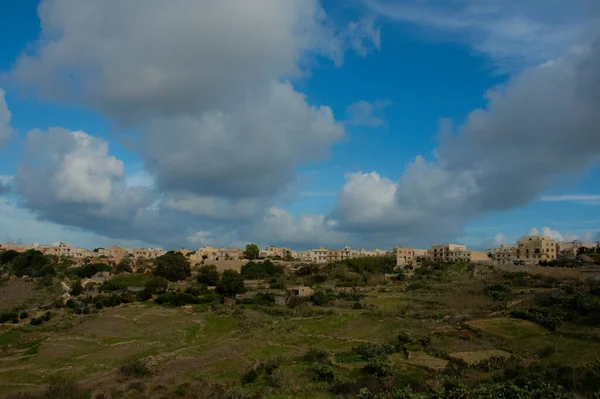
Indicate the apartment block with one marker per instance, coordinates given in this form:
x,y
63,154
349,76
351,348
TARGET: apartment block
x,y
570,248
409,256
455,253
532,250
504,254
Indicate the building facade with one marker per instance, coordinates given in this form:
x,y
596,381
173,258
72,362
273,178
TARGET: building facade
x,y
532,250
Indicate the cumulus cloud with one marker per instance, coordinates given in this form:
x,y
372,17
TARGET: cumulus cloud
x,y
70,178
6,130
281,227
513,34
558,236
543,123
363,113
249,150
207,86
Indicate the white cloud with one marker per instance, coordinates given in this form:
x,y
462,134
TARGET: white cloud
x,y
585,199
511,33
280,227
75,166
6,130
362,113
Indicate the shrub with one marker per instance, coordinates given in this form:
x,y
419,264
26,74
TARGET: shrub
x,y
47,316
316,355
177,299
497,292
35,321
173,266
261,270
134,369
372,351
540,316
86,310
322,372
23,315
156,285
320,298
378,367
8,316
351,296
357,305
208,275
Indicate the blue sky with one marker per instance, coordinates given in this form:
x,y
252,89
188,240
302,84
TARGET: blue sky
x,y
311,124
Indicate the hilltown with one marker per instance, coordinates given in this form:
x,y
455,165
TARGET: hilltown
x,y
530,250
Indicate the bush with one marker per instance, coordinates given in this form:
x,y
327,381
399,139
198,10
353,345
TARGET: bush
x,y
177,299
497,292
23,315
372,351
357,305
173,266
47,316
86,310
378,367
156,285
322,372
261,270
9,316
134,369
540,316
320,298
208,275
231,284
35,321
316,355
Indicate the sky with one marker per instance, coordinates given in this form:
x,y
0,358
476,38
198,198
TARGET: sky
x,y
299,123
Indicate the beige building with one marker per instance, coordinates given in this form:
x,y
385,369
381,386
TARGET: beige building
x,y
570,248
503,255
318,255
455,253
272,252
531,250
336,255
301,291
409,256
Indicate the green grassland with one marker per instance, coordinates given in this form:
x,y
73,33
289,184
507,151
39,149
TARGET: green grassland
x,y
443,318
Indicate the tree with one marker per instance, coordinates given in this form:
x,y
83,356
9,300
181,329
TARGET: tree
x,y
231,283
29,262
124,266
252,252
208,275
261,270
77,289
173,266
8,256
157,285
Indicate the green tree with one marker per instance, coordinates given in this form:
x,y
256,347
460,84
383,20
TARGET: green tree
x,y
8,256
208,275
76,289
124,266
261,270
173,266
231,283
29,263
157,285
252,252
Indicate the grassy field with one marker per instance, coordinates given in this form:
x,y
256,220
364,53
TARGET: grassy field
x,y
429,323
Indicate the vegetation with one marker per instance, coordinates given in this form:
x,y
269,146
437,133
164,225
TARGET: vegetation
x,y
231,284
252,252
261,270
443,331
208,275
173,266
